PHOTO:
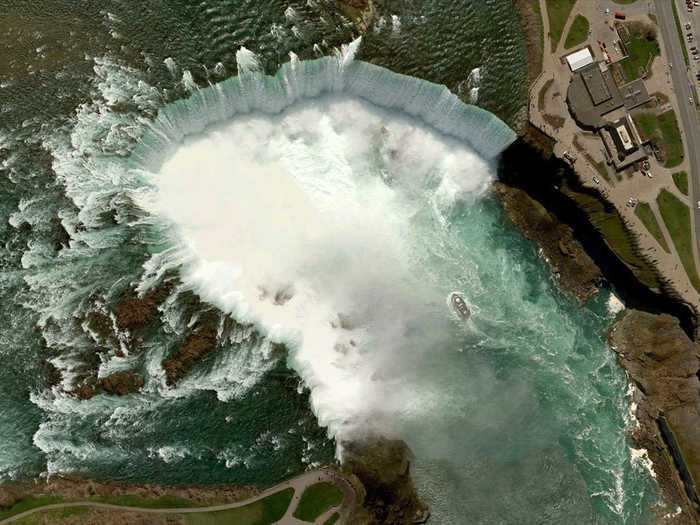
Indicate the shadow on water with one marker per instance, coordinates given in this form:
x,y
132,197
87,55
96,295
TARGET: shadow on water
x,y
525,167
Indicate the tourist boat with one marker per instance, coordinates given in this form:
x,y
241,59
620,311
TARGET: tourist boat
x,y
459,305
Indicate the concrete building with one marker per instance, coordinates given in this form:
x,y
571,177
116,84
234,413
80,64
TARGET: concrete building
x,y
623,143
597,104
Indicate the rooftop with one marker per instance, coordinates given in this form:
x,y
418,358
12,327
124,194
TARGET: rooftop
x,y
592,94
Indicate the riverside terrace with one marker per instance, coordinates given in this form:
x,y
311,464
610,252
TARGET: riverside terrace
x,y
597,104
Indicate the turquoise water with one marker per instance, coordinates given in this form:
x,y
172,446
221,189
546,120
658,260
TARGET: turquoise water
x,y
519,418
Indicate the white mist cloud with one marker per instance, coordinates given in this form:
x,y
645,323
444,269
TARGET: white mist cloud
x,y
316,225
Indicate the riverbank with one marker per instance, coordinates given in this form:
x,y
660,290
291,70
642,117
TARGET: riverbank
x,y
653,338
663,363
317,496
374,477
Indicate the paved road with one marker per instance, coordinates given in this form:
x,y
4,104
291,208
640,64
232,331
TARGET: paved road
x,y
299,484
682,86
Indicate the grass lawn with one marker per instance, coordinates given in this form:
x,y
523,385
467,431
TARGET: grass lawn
x,y
50,516
578,32
29,503
676,215
681,180
647,216
621,241
263,512
624,1
641,47
317,499
663,130
164,502
558,12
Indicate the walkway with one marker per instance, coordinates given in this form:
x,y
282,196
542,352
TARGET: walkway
x,y
299,484
589,149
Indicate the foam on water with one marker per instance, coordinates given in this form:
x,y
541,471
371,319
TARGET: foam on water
x,y
308,195
334,206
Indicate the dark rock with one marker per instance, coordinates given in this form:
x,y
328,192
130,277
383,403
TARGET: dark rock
x,y
121,383
84,391
664,363
382,465
577,272
196,346
134,312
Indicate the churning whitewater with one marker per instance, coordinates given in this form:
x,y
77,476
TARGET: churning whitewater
x,y
327,227
323,220
330,209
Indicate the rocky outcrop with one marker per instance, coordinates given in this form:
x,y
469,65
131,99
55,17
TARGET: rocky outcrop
x,y
382,465
134,312
121,383
116,384
575,270
200,343
664,364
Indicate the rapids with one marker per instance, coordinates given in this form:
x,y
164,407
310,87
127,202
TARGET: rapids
x,y
330,207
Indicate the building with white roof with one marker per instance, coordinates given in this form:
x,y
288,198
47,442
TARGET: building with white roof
x,y
579,59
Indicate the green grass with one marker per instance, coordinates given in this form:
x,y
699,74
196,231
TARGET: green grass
x,y
623,2
647,216
671,139
558,12
317,499
52,515
676,215
679,29
29,503
334,517
663,130
578,32
640,48
163,502
680,178
263,512
606,219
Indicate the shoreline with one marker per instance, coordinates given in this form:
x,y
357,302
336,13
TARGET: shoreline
x,y
644,306
375,476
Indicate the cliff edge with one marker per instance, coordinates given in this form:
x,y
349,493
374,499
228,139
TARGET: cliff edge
x,y
665,365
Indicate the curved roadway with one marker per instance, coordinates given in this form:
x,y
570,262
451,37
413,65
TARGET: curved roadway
x,y
299,484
